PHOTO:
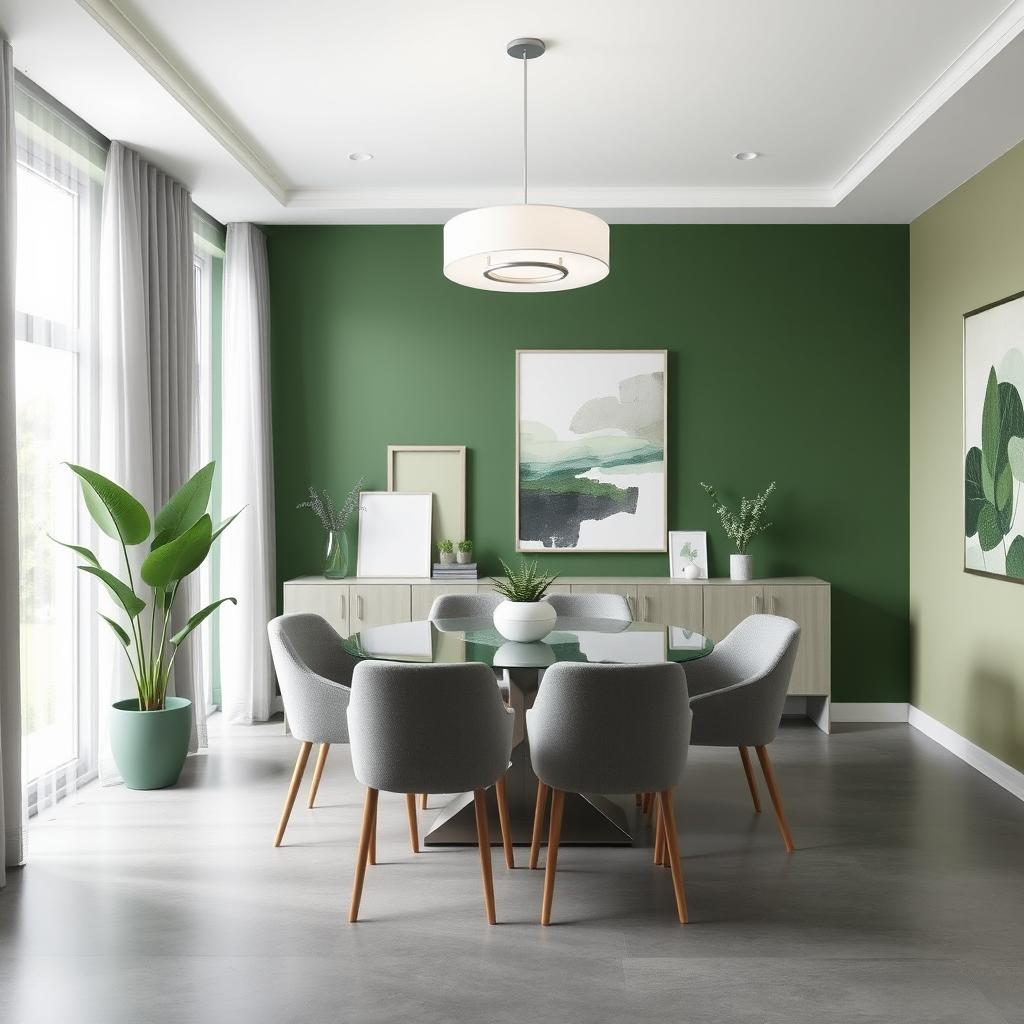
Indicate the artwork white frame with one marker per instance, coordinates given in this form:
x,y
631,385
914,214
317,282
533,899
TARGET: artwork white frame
x,y
676,563
561,385
441,469
394,534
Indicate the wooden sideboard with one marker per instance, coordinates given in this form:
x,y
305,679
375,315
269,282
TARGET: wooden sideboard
x,y
712,607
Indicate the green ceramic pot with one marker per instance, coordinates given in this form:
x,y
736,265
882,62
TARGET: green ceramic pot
x,y
150,747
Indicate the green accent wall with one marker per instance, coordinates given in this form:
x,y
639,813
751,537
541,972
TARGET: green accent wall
x,y
788,360
966,251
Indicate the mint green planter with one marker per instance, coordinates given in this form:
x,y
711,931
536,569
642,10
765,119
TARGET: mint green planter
x,y
150,747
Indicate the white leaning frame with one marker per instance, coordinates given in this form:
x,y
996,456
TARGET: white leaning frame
x,y
394,534
677,563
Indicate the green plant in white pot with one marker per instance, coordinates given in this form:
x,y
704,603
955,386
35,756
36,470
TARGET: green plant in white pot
x,y
741,527
149,734
524,616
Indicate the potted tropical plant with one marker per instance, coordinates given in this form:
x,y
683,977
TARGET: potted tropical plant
x,y
464,555
446,552
149,733
334,521
742,527
523,616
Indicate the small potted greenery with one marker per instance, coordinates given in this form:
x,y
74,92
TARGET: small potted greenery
x,y
523,616
465,553
149,734
334,521
446,552
742,527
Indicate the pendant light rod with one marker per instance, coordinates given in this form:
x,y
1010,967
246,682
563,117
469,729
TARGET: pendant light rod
x,y
525,49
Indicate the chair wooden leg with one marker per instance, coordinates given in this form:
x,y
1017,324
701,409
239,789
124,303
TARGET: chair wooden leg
x,y
554,835
423,801
410,806
503,819
538,823
659,836
639,799
668,817
373,835
318,770
293,789
645,804
751,781
773,792
484,842
363,853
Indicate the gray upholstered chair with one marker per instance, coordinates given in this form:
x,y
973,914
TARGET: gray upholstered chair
x,y
608,729
737,694
315,676
464,606
434,729
591,606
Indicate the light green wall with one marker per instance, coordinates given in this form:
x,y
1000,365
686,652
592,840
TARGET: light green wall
x,y
787,360
967,653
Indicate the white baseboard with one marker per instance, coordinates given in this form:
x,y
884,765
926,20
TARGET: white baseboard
x,y
869,712
990,766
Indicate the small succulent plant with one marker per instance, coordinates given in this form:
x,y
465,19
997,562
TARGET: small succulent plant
x,y
445,547
465,546
525,584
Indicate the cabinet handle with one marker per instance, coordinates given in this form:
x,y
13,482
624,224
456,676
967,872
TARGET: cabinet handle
x,y
773,604
756,604
359,606
647,608
343,603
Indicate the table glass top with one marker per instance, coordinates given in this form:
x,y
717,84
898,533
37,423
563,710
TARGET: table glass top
x,y
449,641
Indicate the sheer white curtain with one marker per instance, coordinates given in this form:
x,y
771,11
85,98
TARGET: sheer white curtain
x,y
149,381
248,563
11,827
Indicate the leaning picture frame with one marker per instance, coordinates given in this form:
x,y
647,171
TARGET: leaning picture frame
x,y
394,534
441,469
688,548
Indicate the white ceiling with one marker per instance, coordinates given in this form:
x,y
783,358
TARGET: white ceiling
x,y
865,110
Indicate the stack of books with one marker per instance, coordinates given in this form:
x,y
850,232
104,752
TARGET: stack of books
x,y
455,571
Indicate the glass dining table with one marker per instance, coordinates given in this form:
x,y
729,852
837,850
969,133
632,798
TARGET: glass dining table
x,y
588,819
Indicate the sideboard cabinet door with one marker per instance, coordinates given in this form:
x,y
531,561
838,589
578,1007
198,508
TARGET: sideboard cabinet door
x,y
810,607
379,604
671,604
327,599
726,605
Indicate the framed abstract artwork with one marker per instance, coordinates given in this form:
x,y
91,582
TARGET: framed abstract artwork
x,y
591,450
993,440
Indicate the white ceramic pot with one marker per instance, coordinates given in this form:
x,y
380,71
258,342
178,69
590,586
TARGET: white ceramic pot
x,y
692,571
524,621
740,567
447,557
464,557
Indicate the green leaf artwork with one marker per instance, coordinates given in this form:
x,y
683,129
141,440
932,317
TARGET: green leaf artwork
x,y
1015,558
974,494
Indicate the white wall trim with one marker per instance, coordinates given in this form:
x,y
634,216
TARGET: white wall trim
x,y
869,712
138,45
988,764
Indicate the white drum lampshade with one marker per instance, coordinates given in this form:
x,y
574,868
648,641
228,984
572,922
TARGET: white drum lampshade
x,y
526,248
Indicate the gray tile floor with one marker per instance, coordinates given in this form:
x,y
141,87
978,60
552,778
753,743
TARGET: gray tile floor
x,y
904,902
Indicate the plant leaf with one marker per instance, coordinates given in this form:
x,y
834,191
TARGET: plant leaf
x,y
221,527
974,495
990,532
1015,454
114,510
84,552
990,423
196,619
118,629
121,592
1015,558
186,505
176,559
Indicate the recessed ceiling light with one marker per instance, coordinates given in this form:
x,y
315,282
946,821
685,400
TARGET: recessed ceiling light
x,y
360,158
746,156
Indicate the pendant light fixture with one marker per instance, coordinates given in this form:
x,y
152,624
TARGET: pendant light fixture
x,y
525,248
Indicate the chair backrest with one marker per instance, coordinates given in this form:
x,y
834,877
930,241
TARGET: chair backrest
x,y
314,673
428,728
744,683
591,606
464,606
610,728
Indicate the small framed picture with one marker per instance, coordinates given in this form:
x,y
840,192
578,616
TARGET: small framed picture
x,y
688,554
394,534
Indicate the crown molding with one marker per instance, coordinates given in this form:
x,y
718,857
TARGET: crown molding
x,y
448,198
138,45
999,34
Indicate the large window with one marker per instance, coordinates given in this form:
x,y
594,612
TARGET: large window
x,y
58,195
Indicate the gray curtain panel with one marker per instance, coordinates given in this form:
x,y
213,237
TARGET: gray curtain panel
x,y
11,825
248,563
149,372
